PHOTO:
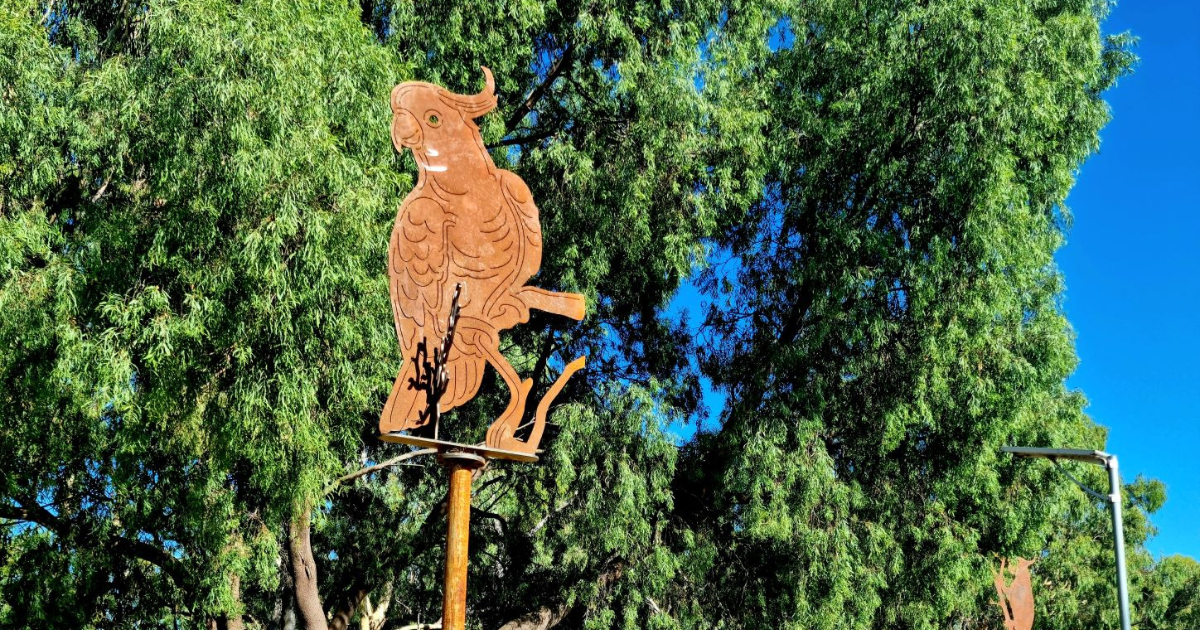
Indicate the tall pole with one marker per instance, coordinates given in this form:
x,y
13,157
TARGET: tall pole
x,y
1114,498
454,597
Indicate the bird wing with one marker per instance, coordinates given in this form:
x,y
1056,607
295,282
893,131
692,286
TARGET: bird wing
x,y
517,194
418,261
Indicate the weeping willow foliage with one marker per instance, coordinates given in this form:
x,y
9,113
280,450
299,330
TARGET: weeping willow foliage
x,y
195,338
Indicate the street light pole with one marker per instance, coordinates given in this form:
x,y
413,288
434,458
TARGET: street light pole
x,y
1113,498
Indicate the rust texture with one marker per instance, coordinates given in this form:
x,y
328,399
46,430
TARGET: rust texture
x,y
1016,597
454,597
472,224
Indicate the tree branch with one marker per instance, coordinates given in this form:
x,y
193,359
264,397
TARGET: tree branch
x,y
523,139
380,466
545,617
36,514
541,619
46,16
492,515
558,68
154,555
103,187
542,523
437,512
793,323
31,512
539,369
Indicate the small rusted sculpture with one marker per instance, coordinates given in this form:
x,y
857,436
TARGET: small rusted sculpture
x,y
466,224
1016,598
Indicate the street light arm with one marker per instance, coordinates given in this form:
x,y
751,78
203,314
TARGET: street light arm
x,y
1102,497
1100,458
1109,462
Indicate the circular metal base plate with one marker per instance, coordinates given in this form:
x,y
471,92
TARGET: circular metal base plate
x,y
461,459
443,447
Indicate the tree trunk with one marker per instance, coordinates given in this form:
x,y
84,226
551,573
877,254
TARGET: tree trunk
x,y
233,621
364,614
304,575
226,622
341,618
379,614
541,619
372,617
284,614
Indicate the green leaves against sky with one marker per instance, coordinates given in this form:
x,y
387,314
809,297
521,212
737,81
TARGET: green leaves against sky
x,y
195,200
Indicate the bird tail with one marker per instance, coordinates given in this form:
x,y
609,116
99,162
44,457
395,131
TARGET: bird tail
x,y
466,373
406,405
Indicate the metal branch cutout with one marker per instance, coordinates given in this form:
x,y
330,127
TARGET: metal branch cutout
x,y
433,377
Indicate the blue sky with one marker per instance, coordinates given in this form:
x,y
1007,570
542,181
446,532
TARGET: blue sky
x,y
1132,267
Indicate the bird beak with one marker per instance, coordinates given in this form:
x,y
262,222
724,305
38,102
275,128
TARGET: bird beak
x,y
406,131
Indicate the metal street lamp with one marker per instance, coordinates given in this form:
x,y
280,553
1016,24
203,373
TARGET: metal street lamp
x,y
1109,462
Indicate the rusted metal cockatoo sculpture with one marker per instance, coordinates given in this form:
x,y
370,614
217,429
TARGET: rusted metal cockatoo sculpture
x,y
1016,597
471,227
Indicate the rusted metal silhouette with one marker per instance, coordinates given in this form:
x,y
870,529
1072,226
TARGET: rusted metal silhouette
x,y
433,378
1016,598
467,229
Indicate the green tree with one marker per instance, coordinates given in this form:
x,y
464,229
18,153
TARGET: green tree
x,y
196,202
1172,599
886,315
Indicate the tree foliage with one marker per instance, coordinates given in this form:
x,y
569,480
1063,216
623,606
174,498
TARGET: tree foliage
x,y
195,198
887,315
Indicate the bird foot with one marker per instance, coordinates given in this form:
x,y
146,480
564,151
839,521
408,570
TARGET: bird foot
x,y
503,430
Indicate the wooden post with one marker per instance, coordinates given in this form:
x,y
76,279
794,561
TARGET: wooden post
x,y
458,516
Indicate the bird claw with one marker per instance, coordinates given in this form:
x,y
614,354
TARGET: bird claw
x,y
503,431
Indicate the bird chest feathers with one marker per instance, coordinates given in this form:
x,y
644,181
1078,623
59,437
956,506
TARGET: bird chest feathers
x,y
482,231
